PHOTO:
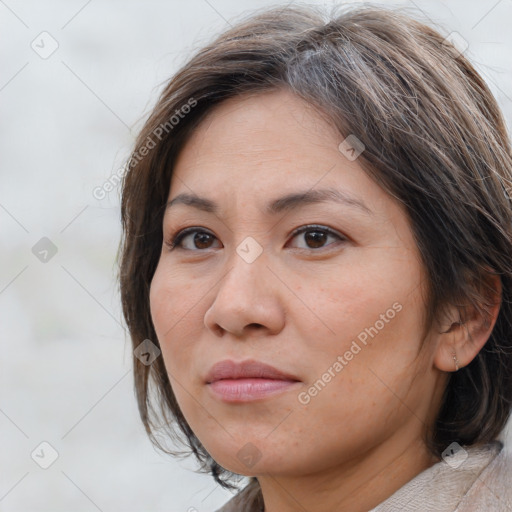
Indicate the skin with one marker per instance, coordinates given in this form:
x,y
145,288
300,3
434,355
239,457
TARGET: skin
x,y
297,307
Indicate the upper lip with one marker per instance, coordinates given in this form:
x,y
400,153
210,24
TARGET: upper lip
x,y
229,369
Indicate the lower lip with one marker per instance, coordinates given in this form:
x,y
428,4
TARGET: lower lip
x,y
245,390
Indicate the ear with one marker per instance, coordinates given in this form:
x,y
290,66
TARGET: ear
x,y
468,328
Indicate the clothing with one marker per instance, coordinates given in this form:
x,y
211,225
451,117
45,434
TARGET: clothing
x,y
481,483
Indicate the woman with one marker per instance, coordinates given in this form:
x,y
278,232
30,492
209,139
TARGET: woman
x,y
318,239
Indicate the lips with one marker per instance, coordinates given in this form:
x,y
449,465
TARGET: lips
x,y
247,381
249,369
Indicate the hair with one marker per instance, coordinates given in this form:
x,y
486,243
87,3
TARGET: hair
x,y
434,139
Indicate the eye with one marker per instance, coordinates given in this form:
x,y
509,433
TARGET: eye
x,y
200,240
316,238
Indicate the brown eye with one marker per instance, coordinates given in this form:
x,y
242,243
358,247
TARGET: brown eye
x,y
200,240
316,237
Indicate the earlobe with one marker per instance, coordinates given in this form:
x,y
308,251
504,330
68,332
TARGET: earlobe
x,y
448,357
456,361
460,343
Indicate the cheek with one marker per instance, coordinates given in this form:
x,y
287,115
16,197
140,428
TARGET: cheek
x,y
174,305
368,292
376,318
173,298
374,315
175,308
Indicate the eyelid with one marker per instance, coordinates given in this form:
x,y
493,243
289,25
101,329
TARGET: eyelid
x,y
181,234
320,227
178,236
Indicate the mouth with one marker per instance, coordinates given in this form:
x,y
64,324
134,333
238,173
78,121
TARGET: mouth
x,y
246,381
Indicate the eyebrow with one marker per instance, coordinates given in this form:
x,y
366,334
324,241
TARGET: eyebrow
x,y
282,204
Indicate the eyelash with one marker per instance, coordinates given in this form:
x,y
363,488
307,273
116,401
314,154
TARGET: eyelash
x,y
177,238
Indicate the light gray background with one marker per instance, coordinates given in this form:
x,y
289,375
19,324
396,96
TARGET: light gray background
x,y
67,123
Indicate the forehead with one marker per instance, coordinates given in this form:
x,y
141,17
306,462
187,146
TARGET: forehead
x,y
259,141
252,150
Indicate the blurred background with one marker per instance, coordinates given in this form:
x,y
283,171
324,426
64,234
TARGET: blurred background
x,y
77,78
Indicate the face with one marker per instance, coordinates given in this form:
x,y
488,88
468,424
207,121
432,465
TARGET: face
x,y
328,290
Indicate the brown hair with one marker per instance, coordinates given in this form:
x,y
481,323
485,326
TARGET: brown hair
x,y
434,139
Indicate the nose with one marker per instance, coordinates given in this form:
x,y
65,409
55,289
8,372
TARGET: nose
x,y
248,301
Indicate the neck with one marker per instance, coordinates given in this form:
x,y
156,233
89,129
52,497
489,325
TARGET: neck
x,y
355,486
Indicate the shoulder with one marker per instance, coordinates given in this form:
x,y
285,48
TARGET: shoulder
x,y
476,479
492,490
